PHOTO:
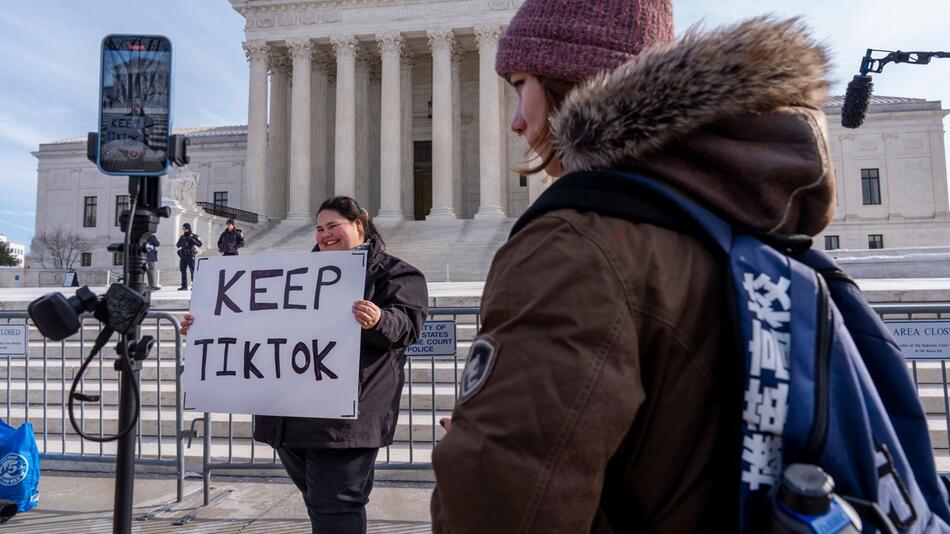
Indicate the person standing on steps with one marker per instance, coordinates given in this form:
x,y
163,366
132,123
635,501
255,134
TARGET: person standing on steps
x,y
151,247
231,240
187,245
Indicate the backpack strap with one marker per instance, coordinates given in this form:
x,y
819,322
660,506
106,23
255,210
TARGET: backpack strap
x,y
632,197
637,198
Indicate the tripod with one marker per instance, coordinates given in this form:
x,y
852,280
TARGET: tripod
x,y
138,223
144,222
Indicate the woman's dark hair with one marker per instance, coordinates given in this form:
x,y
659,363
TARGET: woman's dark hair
x,y
555,91
348,208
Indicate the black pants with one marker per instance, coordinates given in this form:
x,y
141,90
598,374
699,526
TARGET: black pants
x,y
335,484
235,253
185,264
150,272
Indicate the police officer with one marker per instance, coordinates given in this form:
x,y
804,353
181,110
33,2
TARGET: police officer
x,y
187,244
231,240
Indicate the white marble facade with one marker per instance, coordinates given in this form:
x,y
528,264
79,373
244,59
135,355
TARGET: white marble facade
x,y
396,102
342,94
902,144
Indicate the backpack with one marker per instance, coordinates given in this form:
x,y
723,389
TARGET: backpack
x,y
824,382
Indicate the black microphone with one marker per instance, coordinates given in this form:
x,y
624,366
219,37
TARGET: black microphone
x,y
856,100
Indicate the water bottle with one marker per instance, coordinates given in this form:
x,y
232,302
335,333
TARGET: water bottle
x,y
804,502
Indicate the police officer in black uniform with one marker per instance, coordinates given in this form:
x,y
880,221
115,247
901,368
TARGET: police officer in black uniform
x,y
187,244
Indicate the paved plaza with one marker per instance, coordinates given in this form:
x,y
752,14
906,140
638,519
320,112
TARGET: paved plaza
x,y
82,503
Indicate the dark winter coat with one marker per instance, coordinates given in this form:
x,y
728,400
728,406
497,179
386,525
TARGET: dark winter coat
x,y
606,397
152,245
399,289
188,244
230,242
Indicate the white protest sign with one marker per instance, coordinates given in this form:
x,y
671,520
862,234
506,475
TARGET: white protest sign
x,y
922,339
274,334
13,339
437,339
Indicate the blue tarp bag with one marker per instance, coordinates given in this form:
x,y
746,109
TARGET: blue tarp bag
x,y
834,437
19,467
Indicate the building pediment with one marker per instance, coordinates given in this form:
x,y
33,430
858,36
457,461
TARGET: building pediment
x,y
269,19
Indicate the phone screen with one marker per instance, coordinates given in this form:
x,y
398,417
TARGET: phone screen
x,y
135,104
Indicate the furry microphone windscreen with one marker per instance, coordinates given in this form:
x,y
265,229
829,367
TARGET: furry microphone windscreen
x,y
856,100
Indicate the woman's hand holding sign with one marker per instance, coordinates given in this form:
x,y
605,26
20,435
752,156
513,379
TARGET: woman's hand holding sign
x,y
367,314
186,323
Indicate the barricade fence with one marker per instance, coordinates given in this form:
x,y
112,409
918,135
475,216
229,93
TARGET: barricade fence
x,y
37,382
37,385
429,393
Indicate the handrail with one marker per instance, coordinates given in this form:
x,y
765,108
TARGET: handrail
x,y
231,213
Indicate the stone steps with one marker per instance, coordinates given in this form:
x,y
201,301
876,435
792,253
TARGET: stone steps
x,y
424,393
458,250
58,369
421,369
242,451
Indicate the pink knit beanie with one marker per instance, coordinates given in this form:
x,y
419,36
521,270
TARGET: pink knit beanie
x,y
574,39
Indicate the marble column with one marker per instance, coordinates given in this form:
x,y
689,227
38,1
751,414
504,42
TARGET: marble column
x,y
391,131
490,137
256,170
277,134
361,93
442,43
938,162
457,188
301,52
852,195
408,180
344,172
890,191
323,67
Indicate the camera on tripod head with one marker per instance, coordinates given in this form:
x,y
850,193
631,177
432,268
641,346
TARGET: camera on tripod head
x,y
58,317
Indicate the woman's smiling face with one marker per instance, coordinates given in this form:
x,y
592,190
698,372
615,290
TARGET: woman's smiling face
x,y
336,232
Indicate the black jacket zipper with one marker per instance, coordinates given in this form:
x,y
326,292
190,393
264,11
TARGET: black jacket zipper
x,y
824,339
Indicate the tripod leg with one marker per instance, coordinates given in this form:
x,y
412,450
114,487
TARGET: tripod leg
x,y
125,456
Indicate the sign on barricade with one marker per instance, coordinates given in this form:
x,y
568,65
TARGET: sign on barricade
x,y
274,334
13,340
437,339
922,339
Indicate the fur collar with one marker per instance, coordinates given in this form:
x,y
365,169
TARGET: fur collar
x,y
670,90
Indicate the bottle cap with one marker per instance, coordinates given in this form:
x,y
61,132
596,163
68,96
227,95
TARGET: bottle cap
x,y
806,489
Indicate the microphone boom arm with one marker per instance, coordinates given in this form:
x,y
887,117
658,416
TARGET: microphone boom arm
x,y
876,65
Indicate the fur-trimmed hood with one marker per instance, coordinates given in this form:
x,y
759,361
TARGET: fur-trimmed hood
x,y
730,117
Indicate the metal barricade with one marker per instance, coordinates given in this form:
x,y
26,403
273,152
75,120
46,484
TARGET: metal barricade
x,y
37,388
930,376
429,394
37,384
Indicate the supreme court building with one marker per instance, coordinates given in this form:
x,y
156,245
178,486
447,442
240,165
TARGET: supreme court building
x,y
396,103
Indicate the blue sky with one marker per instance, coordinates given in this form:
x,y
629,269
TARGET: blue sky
x,y
49,53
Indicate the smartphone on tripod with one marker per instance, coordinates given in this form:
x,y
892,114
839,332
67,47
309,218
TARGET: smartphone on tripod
x,y
135,105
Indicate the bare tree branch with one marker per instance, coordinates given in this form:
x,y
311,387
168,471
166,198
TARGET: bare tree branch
x,y
59,248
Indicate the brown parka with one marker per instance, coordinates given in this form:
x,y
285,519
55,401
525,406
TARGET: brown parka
x,y
605,397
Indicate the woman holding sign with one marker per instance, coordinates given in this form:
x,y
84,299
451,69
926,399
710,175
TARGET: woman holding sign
x,y
332,461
